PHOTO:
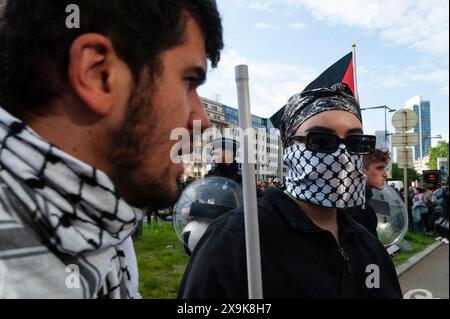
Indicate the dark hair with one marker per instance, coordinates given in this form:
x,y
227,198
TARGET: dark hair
x,y
377,156
35,42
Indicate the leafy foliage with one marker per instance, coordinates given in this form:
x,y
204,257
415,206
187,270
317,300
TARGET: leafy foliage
x,y
441,150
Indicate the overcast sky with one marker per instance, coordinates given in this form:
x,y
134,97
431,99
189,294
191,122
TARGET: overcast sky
x,y
403,51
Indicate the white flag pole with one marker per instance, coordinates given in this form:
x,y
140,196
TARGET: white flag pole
x,y
355,75
255,289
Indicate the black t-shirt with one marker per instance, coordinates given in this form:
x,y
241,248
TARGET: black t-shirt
x,y
299,260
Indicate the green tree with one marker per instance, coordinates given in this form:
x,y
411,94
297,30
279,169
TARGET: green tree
x,y
441,150
397,174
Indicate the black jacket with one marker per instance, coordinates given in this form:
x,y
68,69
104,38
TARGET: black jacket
x,y
365,216
228,171
299,260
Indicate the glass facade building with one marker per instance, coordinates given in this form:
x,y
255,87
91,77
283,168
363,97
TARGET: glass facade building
x,y
423,128
383,140
424,115
232,116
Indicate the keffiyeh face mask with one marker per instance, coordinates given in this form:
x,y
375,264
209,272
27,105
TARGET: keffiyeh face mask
x,y
332,180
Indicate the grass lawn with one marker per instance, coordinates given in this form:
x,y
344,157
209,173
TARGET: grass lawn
x,y
419,242
161,260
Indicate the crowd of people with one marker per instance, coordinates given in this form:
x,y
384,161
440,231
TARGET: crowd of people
x,y
263,185
428,209
427,206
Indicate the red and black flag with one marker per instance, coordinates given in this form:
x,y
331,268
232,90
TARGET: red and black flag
x,y
341,72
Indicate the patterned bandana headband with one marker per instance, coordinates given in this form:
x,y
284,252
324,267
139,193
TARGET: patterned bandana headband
x,y
305,105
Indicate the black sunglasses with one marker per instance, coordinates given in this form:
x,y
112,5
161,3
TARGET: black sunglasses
x,y
329,143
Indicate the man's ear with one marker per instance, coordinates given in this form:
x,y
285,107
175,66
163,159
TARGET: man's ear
x,y
90,67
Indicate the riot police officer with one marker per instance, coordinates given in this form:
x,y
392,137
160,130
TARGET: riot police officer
x,y
202,212
224,151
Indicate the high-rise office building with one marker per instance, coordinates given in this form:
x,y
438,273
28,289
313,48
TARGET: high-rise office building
x,y
423,110
383,140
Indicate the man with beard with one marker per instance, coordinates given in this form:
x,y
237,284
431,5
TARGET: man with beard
x,y
309,249
85,122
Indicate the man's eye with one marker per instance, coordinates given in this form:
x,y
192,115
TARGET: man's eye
x,y
192,82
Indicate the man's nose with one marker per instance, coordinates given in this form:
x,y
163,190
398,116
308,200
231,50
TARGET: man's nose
x,y
198,113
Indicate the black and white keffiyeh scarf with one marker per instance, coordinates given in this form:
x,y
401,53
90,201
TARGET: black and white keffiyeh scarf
x,y
74,209
334,180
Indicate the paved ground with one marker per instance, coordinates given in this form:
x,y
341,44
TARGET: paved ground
x,y
430,274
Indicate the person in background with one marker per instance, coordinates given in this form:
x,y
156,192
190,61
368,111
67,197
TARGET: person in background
x,y
401,193
438,221
375,168
428,201
224,152
277,182
418,194
309,249
264,187
224,164
409,206
419,208
259,192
